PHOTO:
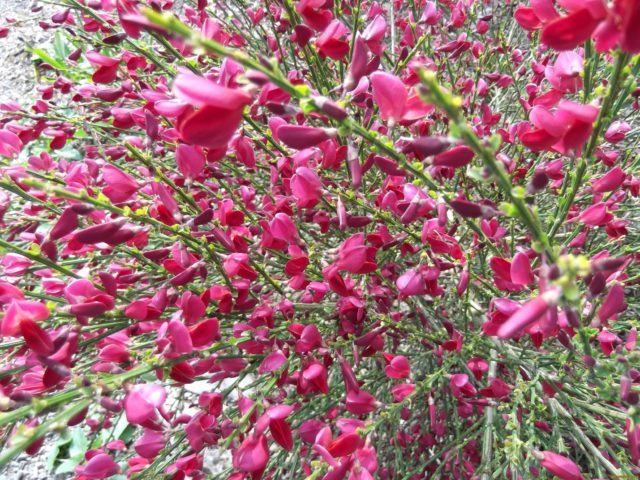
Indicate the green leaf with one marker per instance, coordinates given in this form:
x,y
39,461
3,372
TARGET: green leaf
x,y
53,456
67,466
79,443
60,46
46,58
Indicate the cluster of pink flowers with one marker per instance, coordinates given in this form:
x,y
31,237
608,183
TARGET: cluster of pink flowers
x,y
342,240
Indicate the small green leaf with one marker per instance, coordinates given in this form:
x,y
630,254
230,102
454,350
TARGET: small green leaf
x,y
60,46
79,443
67,466
46,58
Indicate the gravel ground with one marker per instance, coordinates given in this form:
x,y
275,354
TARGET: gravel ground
x,y
17,74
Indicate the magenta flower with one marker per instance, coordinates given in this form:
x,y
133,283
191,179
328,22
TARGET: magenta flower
x,y
617,131
190,161
10,144
301,136
411,283
22,311
609,181
608,25
568,128
215,114
397,366
252,455
141,402
344,445
120,186
564,75
355,257
149,444
520,271
456,157
332,42
394,101
559,465
529,313
98,467
613,303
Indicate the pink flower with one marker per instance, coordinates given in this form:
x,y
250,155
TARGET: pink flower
x,y
355,257
394,101
102,233
402,391
466,209
141,402
344,445
9,292
398,366
411,283
460,386
10,144
564,75
190,161
456,157
390,95
120,185
596,215
331,43
107,67
180,337
609,25
149,444
310,339
302,136
530,312
613,303
617,131
568,128
87,300
569,31
204,333
374,33
521,273
252,455
478,366
272,362
306,187
67,223
22,311
558,465
217,111
283,228
99,466
36,338
609,182
316,13
360,402
358,66
279,428
497,389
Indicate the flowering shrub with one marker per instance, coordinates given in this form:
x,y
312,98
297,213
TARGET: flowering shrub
x,y
338,239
